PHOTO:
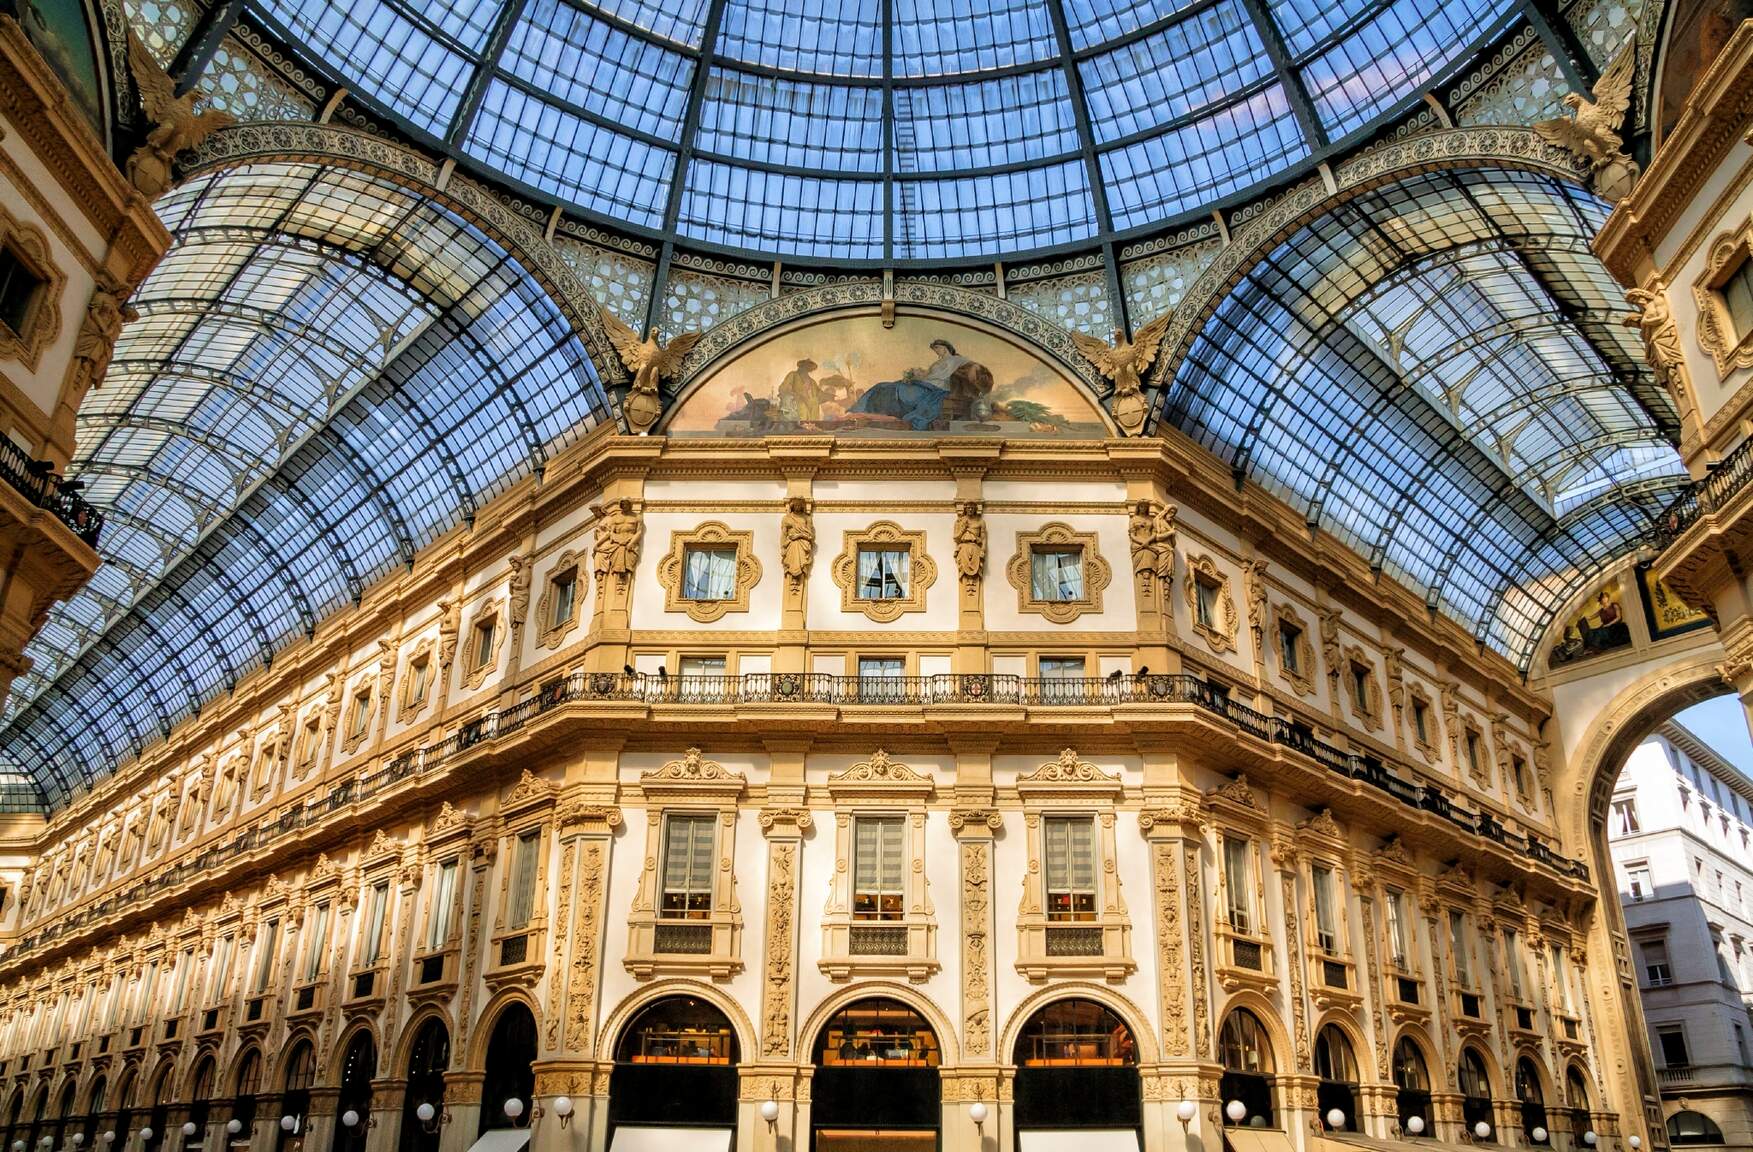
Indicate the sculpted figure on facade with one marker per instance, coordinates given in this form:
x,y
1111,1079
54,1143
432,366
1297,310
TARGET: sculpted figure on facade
x,y
1124,363
615,550
1254,590
1591,131
797,542
970,536
1654,321
107,311
176,126
649,363
1151,530
194,800
518,592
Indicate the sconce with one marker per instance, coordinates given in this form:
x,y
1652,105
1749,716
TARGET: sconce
x,y
1335,1120
770,1113
289,1123
1184,1112
78,1138
1539,1134
1236,1111
1589,1138
108,1137
429,1117
1634,1142
145,1136
563,1109
977,1113
188,1129
233,1126
1482,1131
513,1110
1414,1125
350,1120
18,1146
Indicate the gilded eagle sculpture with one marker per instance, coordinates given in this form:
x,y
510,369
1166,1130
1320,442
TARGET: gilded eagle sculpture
x,y
1124,363
649,362
176,126
1591,132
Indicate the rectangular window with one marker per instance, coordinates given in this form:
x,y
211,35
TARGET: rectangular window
x,y
1062,667
687,866
19,290
1205,602
1326,916
1056,574
1637,881
883,573
1458,949
361,714
563,596
1624,817
419,679
1421,721
266,944
1472,750
318,941
1238,883
185,966
438,918
525,855
1519,773
882,678
484,632
1398,940
1070,852
1560,977
307,752
878,866
219,971
695,667
709,572
1360,687
376,907
1512,952
1737,293
1289,636
1671,1039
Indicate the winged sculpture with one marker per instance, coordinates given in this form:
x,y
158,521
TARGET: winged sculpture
x,y
1591,132
649,362
1124,363
176,126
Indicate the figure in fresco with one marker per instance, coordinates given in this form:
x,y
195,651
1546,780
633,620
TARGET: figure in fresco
x,y
800,398
1599,627
953,387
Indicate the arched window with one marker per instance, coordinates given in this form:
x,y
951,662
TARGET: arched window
x,y
1475,1085
124,1099
1533,1099
301,1072
96,1100
69,1099
200,1101
1077,1067
1245,1051
511,1054
1576,1095
427,1060
243,1102
358,1066
1693,1128
1412,1079
675,1067
876,1072
1336,1065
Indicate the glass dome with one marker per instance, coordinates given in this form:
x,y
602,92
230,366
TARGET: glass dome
x,y
888,130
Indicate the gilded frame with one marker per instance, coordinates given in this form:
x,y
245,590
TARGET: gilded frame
x,y
921,571
1056,534
670,568
1220,635
1729,252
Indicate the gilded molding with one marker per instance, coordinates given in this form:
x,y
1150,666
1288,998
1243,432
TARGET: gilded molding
x,y
778,993
672,568
587,915
1219,631
481,659
1057,535
1297,661
554,632
1728,253
921,571
977,974
42,320
1368,711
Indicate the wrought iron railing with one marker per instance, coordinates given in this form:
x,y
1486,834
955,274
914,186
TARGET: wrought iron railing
x,y
1704,496
973,689
36,483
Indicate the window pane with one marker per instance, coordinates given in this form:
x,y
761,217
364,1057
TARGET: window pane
x,y
687,875
709,574
878,867
1070,862
883,573
523,881
1057,574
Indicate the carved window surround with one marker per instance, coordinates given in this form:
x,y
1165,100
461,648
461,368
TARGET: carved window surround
x,y
1048,949
1429,745
42,320
1333,976
367,983
1245,958
854,947
367,688
1055,537
479,660
447,842
672,568
1471,751
1219,633
1509,752
691,785
1729,349
1297,663
554,632
410,704
1359,668
1395,869
527,808
323,886
886,535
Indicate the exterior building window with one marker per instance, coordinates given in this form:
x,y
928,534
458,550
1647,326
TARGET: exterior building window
x,y
1737,293
882,678
318,941
419,681
376,906
1246,1056
1624,821
1399,943
1360,689
360,716
1062,667
1512,951
687,866
265,948
701,667
438,917
1326,918
20,289
1070,867
1473,754
310,743
709,572
219,970
1205,593
878,866
1289,638
1560,977
179,1001
1458,949
525,855
1671,1039
1238,884
1637,881
1421,721
483,647
883,573
1519,774
563,597
1056,575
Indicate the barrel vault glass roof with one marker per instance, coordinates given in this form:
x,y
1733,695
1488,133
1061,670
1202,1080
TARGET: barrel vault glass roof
x,y
326,373
887,130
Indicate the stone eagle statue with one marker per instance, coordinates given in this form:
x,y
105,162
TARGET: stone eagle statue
x,y
175,124
1591,132
649,362
1124,363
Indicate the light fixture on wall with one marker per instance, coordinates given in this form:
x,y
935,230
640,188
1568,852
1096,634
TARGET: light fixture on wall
x,y
1335,1120
1482,1130
108,1137
233,1126
1414,1125
977,1113
1236,1111
1185,1111
1539,1135
513,1109
1634,1142
429,1116
188,1128
1589,1138
78,1138
289,1123
563,1109
770,1113
145,1136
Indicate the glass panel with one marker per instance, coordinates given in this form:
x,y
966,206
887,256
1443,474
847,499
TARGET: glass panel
x,y
1070,867
882,573
879,863
318,938
709,573
1238,883
687,866
1056,574
376,906
525,858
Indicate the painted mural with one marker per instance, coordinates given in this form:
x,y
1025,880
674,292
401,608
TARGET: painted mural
x,y
1597,628
926,376
1666,613
61,31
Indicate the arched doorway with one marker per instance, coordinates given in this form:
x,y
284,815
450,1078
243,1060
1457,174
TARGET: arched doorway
x,y
247,1087
675,1069
38,1113
200,1103
301,1073
1411,1084
64,1114
158,1100
1533,1099
427,1060
876,1080
511,1054
95,1104
1245,1051
14,1117
353,1102
1077,1070
124,1097
1475,1085
1336,1065
1576,1096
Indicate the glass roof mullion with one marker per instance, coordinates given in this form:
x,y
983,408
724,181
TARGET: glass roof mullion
x,y
1289,78
288,488
204,629
888,133
485,70
374,485
1092,162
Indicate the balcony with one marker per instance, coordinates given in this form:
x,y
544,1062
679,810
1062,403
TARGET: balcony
x,y
1706,525
1694,1077
33,480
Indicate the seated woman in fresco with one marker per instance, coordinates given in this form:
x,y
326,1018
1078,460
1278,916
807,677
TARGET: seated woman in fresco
x,y
952,388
